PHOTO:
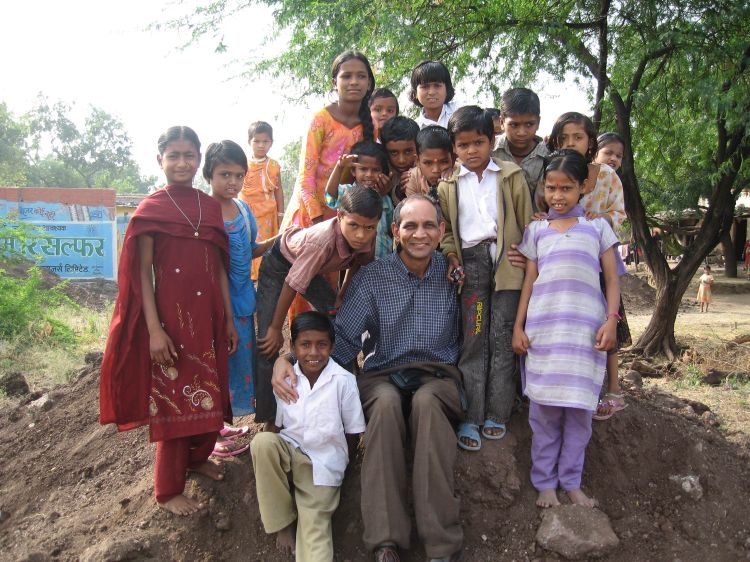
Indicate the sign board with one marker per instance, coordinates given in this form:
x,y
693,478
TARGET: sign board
x,y
79,238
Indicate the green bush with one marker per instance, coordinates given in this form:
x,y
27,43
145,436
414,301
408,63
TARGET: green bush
x,y
24,309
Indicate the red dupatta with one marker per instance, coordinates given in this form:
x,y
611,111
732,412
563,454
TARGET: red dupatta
x,y
125,382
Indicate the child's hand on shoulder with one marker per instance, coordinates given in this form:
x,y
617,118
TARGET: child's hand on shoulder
x,y
520,341
590,215
539,216
606,336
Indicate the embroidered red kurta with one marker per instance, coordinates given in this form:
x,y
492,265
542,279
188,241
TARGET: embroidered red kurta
x,y
190,397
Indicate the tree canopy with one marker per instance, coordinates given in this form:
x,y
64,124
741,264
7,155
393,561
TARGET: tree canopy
x,y
671,77
46,148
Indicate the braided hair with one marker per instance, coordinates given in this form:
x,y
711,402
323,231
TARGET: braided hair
x,y
368,128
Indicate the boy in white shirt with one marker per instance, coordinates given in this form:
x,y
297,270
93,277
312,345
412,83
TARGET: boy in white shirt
x,y
486,205
313,445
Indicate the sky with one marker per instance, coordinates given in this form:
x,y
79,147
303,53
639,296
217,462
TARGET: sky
x,y
90,52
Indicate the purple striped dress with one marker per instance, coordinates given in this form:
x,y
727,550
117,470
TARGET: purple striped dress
x,y
566,309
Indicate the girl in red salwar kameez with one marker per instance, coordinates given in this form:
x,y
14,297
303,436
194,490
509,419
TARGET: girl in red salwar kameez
x,y
165,364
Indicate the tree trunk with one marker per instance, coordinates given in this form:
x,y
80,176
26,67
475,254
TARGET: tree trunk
x,y
729,251
658,337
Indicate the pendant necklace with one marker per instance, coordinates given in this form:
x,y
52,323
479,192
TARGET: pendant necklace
x,y
200,212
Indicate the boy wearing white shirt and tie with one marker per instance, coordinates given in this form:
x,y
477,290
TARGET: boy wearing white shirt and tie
x,y
311,445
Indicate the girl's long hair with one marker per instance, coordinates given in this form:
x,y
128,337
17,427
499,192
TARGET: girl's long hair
x,y
368,128
553,143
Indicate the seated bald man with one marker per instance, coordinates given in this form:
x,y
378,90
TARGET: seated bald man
x,y
409,385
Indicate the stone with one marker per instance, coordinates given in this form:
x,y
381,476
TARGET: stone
x,y
711,419
4,515
689,485
42,404
633,378
222,522
35,557
115,550
575,532
94,358
14,384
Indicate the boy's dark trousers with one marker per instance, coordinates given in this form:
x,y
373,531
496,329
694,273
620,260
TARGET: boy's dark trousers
x,y
273,271
489,366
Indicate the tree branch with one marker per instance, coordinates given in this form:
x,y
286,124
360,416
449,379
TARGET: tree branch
x,y
638,75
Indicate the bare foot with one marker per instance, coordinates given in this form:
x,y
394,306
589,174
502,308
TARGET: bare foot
x,y
547,498
211,469
577,497
182,505
285,539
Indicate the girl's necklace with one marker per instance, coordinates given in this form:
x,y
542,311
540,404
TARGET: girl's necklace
x,y
200,212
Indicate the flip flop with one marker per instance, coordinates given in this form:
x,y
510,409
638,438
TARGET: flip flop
x,y
470,431
614,402
489,424
229,432
228,452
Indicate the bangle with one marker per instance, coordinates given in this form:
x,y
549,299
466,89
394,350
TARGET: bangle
x,y
614,315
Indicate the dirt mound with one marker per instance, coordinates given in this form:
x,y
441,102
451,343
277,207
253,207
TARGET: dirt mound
x,y
73,490
91,293
637,294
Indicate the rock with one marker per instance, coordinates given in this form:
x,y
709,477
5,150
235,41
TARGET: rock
x,y
576,532
644,369
94,358
14,384
42,404
222,522
115,550
698,407
633,378
689,485
714,377
711,419
35,557
4,515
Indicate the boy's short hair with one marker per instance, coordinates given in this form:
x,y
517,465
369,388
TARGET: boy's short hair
x,y
411,199
398,128
471,118
433,136
259,127
375,150
383,93
312,321
430,71
362,201
494,112
224,152
520,100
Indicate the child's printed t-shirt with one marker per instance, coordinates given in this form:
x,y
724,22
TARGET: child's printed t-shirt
x,y
384,238
607,197
320,419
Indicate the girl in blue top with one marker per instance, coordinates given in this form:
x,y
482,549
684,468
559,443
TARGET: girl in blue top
x,y
224,169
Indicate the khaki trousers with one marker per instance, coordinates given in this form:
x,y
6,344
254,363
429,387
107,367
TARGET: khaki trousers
x,y
273,460
434,409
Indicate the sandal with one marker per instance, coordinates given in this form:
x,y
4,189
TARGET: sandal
x,y
229,432
469,431
228,448
387,553
609,406
489,424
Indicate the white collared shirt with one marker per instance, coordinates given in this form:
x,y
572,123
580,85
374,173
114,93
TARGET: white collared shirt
x,y
318,421
448,110
477,206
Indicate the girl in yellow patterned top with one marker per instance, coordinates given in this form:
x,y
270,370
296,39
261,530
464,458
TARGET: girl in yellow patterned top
x,y
603,197
262,186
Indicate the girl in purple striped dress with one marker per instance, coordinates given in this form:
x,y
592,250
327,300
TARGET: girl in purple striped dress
x,y
564,327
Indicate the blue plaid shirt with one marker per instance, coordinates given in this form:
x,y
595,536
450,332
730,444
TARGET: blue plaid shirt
x,y
408,319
